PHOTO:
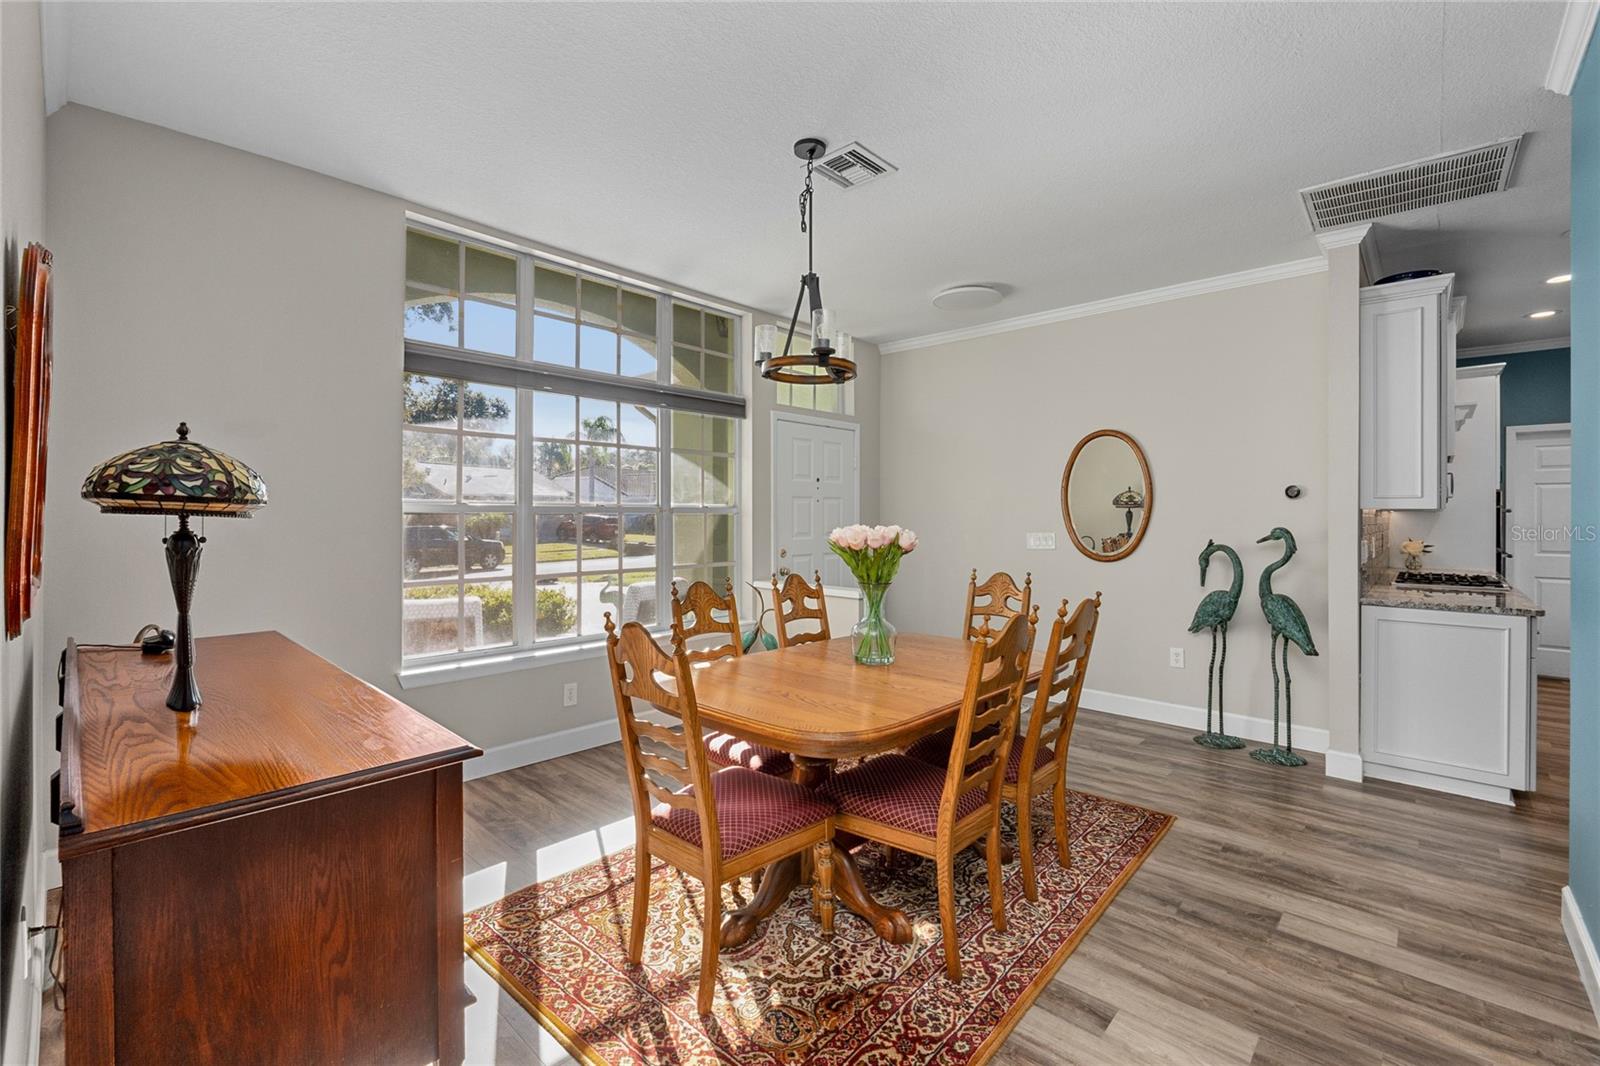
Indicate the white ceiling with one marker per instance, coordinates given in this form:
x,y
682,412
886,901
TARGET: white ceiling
x,y
1068,153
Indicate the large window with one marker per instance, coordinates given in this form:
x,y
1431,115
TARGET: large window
x,y
577,473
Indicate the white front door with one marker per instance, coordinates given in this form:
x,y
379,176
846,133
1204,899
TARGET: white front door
x,y
1539,532
814,487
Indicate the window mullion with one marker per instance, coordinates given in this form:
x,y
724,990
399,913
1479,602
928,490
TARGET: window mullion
x,y
524,347
523,590
664,339
664,549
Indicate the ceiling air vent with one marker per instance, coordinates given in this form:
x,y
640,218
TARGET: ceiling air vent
x,y
1427,183
854,165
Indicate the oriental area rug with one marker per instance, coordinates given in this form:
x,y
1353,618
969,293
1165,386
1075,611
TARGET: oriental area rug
x,y
790,995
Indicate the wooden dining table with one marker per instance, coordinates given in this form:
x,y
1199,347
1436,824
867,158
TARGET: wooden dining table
x,y
817,703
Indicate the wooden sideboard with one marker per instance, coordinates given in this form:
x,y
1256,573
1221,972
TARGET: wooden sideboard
x,y
276,878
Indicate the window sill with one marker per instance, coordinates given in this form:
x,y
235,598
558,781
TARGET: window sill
x,y
443,673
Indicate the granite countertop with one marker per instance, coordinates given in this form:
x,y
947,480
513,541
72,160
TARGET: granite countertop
x,y
1381,591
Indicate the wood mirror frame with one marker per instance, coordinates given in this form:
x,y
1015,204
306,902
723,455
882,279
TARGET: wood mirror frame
x,y
1149,497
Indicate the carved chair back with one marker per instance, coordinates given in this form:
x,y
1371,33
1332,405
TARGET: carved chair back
x,y
1066,664
797,601
991,602
990,708
700,612
641,671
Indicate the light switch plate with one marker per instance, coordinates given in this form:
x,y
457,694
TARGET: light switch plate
x,y
1041,541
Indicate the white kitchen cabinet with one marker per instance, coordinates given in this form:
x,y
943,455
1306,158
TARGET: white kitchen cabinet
x,y
1407,393
1447,700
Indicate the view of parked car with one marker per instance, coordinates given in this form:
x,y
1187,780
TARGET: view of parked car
x,y
436,546
597,528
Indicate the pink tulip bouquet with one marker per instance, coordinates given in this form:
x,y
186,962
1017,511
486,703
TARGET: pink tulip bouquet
x,y
873,554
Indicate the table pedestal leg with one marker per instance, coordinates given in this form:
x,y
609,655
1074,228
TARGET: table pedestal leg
x,y
785,875
777,882
848,889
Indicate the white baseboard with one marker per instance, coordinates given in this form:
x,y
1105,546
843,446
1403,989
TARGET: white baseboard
x,y
1345,765
538,749
1306,738
1582,948
1456,787
567,741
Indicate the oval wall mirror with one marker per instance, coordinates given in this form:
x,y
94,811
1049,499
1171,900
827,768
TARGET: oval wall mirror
x,y
1107,495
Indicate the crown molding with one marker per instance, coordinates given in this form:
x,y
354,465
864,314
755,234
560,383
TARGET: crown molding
x,y
1356,234
1577,26
1330,239
1256,276
1549,344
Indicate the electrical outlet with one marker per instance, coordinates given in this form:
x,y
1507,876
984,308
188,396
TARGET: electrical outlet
x,y
1041,542
1175,658
569,694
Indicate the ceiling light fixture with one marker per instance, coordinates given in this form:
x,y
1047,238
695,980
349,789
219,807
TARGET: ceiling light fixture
x,y
1544,314
967,298
832,353
1559,279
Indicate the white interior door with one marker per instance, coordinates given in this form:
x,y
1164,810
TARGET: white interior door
x,y
814,490
1538,534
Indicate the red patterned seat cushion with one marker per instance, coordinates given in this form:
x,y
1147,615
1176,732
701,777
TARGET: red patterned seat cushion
x,y
935,750
897,790
725,749
752,809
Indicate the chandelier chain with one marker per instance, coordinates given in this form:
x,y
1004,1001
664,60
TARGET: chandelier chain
x,y
805,198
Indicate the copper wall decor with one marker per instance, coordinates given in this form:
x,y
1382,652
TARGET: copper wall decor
x,y
30,416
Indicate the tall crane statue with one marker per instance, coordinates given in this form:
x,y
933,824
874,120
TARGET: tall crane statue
x,y
1288,623
1214,613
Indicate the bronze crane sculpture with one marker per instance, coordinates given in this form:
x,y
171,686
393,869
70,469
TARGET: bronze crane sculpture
x,y
1214,613
1288,623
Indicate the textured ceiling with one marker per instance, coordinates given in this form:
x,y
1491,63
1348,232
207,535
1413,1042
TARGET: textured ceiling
x,y
1065,152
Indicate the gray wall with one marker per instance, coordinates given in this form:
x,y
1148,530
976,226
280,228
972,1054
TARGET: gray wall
x,y
21,221
259,302
1226,394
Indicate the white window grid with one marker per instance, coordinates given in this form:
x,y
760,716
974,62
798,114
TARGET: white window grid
x,y
526,516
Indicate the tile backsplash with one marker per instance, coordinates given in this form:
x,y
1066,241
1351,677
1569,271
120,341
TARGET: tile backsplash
x,y
1375,534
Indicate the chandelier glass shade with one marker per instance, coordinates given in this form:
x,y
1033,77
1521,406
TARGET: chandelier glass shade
x,y
831,356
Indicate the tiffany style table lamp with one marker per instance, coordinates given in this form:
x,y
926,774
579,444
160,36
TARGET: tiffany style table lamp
x,y
178,477
1129,501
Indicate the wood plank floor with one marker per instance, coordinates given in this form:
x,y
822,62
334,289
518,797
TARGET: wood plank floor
x,y
1286,918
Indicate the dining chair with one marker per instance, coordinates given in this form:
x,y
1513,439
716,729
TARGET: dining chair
x,y
997,592
751,819
701,613
935,812
790,604
1038,763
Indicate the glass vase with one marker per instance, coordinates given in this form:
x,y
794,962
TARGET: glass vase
x,y
873,636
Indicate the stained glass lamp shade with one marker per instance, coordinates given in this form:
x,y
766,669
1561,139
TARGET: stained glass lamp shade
x,y
1130,500
178,477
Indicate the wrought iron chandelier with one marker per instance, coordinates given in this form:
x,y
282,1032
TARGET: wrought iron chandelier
x,y
832,354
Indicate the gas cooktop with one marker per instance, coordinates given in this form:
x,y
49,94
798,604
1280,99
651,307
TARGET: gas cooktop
x,y
1445,580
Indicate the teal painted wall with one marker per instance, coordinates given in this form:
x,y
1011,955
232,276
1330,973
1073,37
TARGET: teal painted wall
x,y
1584,871
1535,387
